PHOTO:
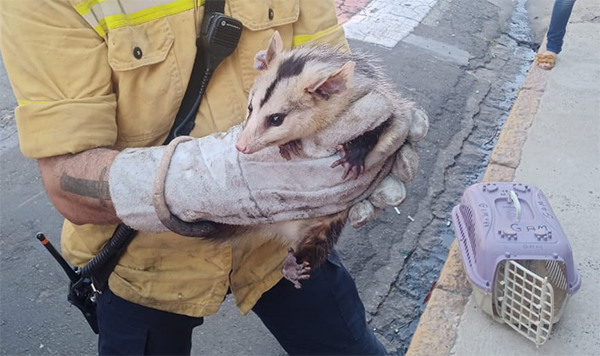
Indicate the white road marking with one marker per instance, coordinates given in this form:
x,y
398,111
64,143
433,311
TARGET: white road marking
x,y
441,50
386,22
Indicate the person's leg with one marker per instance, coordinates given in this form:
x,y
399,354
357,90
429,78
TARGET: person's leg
x,y
131,329
561,12
324,317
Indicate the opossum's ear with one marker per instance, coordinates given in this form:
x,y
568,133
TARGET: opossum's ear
x,y
334,83
263,58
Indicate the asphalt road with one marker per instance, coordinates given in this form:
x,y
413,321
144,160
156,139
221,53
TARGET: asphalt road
x,y
463,64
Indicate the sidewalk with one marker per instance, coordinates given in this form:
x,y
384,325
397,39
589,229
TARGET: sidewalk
x,y
551,140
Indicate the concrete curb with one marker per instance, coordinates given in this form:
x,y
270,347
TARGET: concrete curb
x,y
438,326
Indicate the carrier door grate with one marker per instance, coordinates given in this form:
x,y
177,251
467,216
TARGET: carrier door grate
x,y
524,301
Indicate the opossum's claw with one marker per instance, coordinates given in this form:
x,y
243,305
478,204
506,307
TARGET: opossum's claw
x,y
298,144
283,151
351,164
347,170
355,170
342,159
294,147
294,272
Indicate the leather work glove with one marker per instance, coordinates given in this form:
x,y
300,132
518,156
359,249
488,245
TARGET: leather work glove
x,y
208,179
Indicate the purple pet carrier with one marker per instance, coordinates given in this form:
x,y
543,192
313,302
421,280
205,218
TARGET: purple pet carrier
x,y
516,255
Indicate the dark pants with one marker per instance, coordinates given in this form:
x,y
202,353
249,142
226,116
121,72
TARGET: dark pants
x,y
325,317
558,25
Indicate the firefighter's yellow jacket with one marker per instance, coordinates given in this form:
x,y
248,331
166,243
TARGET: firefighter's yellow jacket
x,y
97,73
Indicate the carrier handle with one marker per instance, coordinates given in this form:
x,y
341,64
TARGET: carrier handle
x,y
512,196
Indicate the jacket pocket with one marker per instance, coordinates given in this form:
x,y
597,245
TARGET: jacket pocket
x,y
131,47
260,19
260,14
147,81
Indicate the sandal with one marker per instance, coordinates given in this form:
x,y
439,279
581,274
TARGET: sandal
x,y
545,60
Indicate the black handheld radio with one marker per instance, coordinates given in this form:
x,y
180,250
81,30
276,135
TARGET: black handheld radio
x,y
219,37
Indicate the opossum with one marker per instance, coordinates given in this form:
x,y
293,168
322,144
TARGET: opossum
x,y
313,101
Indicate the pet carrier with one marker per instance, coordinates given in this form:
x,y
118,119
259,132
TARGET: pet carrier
x,y
516,256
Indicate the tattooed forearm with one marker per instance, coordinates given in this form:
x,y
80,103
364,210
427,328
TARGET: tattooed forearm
x,y
97,189
77,185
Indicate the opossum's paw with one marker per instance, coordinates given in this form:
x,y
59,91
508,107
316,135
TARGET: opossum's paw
x,y
294,147
352,159
294,272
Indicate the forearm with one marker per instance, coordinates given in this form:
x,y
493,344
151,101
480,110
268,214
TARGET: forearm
x,y
77,185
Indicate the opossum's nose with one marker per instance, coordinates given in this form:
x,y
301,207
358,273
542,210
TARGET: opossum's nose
x,y
242,149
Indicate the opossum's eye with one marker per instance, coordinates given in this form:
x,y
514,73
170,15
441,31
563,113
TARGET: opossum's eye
x,y
276,119
249,108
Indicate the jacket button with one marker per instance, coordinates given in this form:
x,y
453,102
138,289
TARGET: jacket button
x,y
271,14
137,52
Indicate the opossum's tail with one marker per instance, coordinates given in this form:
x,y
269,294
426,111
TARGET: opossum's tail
x,y
226,233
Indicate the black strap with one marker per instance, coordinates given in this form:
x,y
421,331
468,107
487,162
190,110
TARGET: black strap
x,y
185,118
102,265
214,6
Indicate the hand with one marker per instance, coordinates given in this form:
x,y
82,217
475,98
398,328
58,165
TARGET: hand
x,y
391,192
